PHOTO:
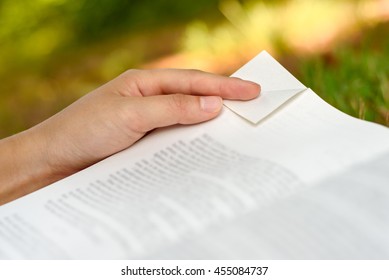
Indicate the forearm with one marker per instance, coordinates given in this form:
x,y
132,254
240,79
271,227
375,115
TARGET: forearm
x,y
24,165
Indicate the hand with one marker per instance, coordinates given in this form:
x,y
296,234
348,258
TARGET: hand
x,y
110,119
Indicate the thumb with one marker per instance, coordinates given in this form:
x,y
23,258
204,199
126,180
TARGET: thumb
x,y
165,110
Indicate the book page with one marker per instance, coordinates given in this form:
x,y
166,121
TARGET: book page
x,y
173,192
342,217
183,183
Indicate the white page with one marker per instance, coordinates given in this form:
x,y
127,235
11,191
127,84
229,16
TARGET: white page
x,y
229,168
308,136
342,217
169,194
277,87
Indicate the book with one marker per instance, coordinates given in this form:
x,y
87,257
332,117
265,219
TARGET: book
x,y
284,176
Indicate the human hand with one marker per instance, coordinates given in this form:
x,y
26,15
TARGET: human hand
x,y
112,118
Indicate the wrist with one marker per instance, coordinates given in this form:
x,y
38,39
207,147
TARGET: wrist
x,y
25,166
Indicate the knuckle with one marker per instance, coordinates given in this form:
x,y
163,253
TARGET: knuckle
x,y
129,82
130,75
131,72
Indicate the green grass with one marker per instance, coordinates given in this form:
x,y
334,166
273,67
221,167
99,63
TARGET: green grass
x,y
354,76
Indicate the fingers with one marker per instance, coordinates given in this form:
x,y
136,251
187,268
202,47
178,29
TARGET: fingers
x,y
194,82
147,113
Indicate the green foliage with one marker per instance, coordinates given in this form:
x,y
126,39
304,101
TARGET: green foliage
x,y
54,51
354,76
105,17
32,31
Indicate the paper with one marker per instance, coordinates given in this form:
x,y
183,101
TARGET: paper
x,y
277,85
268,102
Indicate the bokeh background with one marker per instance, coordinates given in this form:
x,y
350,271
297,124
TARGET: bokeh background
x,y
54,51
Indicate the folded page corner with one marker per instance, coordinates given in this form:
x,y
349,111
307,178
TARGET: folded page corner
x,y
259,108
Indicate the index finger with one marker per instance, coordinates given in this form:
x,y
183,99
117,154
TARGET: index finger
x,y
194,82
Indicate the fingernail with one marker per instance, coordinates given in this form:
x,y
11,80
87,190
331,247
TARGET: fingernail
x,y
210,104
256,86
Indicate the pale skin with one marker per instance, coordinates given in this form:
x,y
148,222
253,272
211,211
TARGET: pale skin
x,y
110,119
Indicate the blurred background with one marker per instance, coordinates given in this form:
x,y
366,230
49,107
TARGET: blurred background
x,y
54,51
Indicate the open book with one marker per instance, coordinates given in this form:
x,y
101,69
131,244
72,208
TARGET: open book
x,y
284,176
